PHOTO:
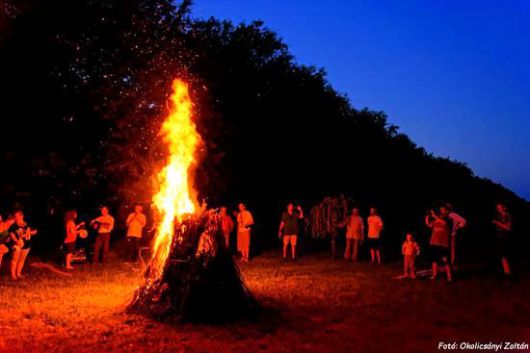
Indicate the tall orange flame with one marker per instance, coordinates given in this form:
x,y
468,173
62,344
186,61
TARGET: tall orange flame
x,y
173,197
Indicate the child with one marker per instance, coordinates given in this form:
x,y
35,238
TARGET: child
x,y
410,250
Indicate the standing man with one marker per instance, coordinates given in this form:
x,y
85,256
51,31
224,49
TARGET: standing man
x,y
354,235
459,222
227,226
503,229
375,226
245,221
289,229
135,225
104,225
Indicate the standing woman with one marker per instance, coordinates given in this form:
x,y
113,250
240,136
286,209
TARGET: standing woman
x,y
71,236
245,221
503,227
439,244
20,233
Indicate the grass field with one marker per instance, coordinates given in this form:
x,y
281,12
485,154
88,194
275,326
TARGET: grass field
x,y
315,305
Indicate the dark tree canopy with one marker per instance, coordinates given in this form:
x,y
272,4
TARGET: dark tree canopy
x,y
83,86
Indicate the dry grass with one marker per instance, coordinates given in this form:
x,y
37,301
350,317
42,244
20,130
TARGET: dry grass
x,y
316,306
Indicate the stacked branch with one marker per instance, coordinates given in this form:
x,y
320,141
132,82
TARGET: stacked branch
x,y
200,281
327,217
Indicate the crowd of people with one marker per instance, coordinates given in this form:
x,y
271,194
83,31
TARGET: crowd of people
x,y
444,224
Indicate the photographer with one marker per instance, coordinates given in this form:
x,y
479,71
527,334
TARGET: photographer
x,y
441,226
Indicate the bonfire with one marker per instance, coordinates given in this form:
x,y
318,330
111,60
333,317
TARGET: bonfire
x,y
191,275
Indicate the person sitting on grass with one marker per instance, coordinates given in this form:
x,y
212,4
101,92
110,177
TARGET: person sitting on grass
x,y
4,236
439,243
72,230
20,233
410,250
375,226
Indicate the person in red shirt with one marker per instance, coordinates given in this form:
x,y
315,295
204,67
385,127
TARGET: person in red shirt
x,y
441,226
227,226
72,230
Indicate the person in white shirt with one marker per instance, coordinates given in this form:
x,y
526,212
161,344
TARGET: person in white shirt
x,y
245,221
104,225
459,222
135,225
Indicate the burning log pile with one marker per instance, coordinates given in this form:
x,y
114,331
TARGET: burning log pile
x,y
200,281
191,275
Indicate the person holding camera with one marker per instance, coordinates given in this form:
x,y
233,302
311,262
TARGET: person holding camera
x,y
245,221
289,229
441,227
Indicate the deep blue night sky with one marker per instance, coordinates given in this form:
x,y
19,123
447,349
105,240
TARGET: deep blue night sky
x,y
453,74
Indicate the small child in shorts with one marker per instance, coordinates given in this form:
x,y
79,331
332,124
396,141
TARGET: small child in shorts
x,y
410,250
